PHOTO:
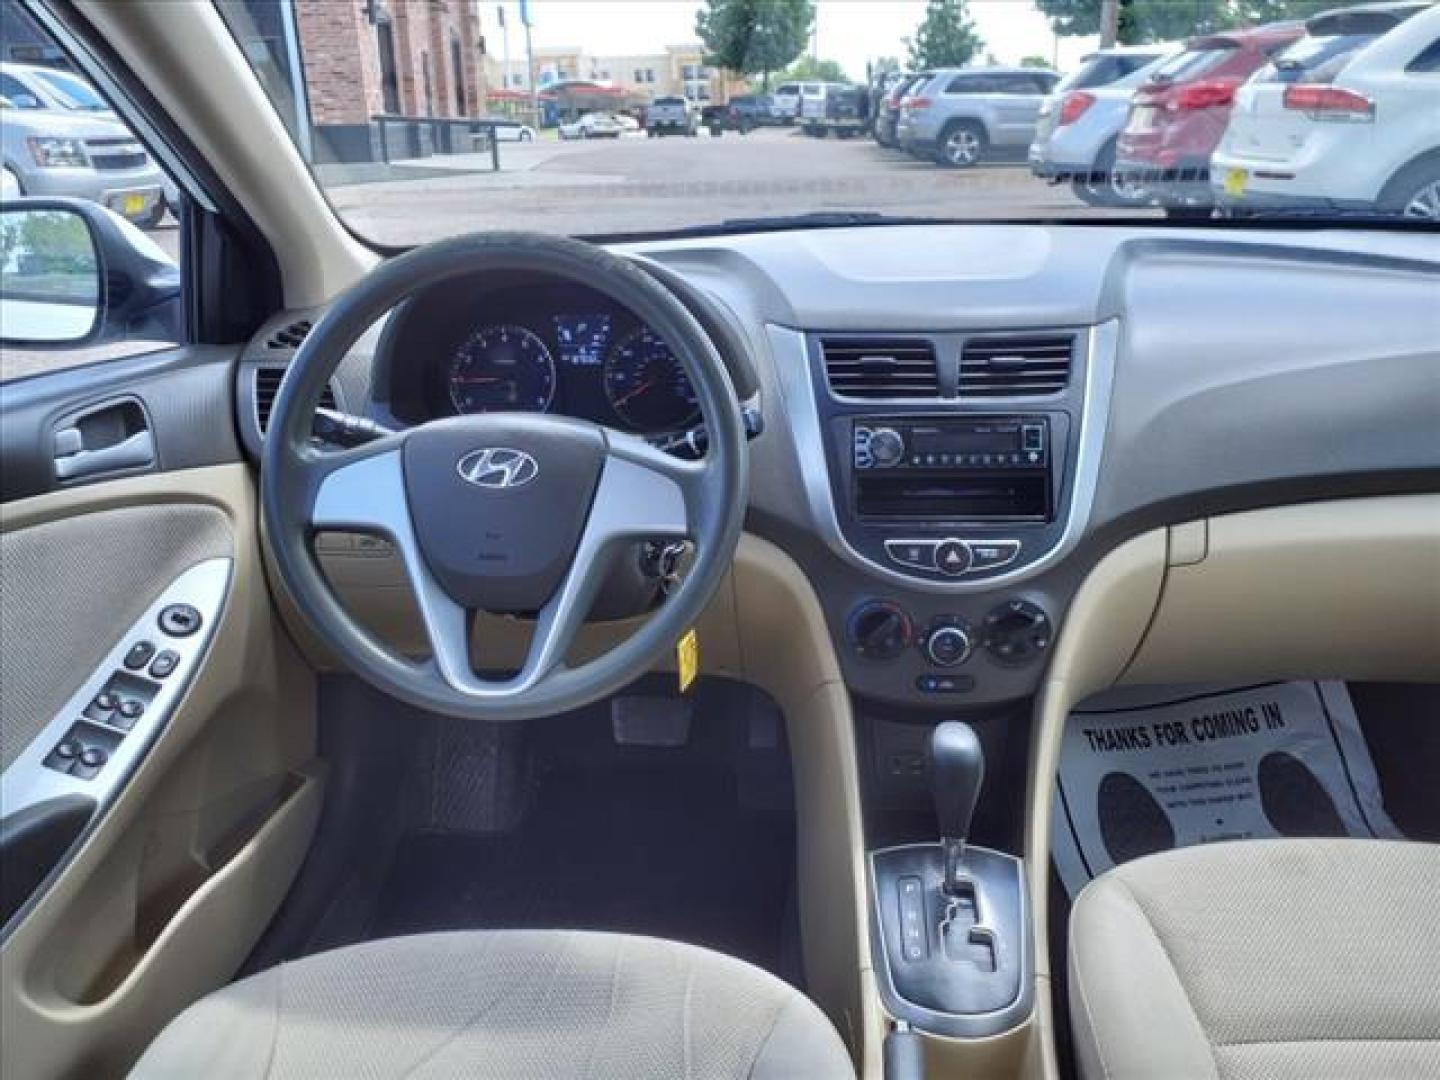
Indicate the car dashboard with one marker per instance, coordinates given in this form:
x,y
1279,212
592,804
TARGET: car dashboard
x,y
956,423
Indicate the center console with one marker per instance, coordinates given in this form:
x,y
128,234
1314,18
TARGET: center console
x,y
950,933
949,473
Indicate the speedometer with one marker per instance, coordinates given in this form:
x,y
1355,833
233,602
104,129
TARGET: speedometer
x,y
502,369
646,385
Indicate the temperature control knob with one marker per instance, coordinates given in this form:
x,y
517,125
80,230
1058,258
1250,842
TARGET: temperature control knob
x,y
879,630
947,644
1017,632
886,447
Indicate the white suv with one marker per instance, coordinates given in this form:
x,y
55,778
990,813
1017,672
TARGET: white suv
x,y
1348,117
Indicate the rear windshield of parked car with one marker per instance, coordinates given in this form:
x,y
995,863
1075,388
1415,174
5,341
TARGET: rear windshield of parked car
x,y
1103,70
1314,59
1192,63
1428,60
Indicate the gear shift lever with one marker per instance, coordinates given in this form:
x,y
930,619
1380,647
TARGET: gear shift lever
x,y
957,769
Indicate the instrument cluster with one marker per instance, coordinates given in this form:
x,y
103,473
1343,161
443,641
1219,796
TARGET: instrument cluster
x,y
549,348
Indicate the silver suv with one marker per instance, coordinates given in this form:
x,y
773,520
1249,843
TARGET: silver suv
x,y
959,116
75,151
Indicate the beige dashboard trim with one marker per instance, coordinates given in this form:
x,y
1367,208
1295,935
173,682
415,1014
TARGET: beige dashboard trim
x,y
1339,589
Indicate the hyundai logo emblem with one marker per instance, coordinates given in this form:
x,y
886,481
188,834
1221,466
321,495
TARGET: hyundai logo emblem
x,y
497,467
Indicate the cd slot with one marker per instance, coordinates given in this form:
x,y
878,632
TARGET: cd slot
x,y
960,495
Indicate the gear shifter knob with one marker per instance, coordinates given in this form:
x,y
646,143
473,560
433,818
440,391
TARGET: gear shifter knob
x,y
957,769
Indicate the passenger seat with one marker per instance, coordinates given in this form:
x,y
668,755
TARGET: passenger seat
x,y
1260,960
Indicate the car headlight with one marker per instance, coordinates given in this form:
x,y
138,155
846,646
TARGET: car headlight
x,y
58,153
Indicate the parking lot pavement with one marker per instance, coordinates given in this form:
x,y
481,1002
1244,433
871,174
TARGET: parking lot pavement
x,y
640,185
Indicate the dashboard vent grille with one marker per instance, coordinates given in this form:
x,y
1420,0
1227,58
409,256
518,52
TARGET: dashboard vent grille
x,y
874,368
1016,366
289,337
267,385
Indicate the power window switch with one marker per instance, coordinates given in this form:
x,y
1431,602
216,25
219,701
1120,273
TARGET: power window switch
x,y
139,655
164,664
65,756
92,759
129,711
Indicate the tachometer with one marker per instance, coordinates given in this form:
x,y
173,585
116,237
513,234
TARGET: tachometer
x,y
502,369
646,385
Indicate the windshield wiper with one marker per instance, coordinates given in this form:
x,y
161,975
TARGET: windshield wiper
x,y
1340,214
818,219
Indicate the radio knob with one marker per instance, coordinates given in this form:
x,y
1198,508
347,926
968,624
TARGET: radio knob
x,y
886,447
947,645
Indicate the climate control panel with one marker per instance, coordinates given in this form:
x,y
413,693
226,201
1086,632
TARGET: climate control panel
x,y
949,653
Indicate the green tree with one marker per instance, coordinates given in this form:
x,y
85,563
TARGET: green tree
x,y
946,36
755,37
808,69
1143,21
1036,61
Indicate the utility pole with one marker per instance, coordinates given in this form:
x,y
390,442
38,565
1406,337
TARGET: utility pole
x,y
530,64
1109,22
505,38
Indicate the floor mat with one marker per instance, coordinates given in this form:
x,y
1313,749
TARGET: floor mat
x,y
654,845
1149,769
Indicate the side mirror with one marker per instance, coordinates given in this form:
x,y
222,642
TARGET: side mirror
x,y
73,272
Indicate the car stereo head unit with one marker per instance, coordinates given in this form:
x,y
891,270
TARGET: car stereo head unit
x,y
983,468
978,443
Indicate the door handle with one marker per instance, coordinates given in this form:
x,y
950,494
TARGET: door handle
x,y
110,438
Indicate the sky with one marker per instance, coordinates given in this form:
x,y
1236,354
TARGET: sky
x,y
850,31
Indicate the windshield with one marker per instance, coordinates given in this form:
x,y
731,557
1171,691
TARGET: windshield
x,y
72,91
666,117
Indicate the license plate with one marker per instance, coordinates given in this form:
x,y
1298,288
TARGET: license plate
x,y
1235,183
132,204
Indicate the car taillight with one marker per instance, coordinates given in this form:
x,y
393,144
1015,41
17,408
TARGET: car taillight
x,y
1202,95
1329,103
916,103
1074,106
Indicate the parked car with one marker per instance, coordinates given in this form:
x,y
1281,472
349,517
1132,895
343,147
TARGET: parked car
x,y
672,116
30,87
960,116
1177,117
508,130
747,111
887,112
1347,117
593,125
47,152
834,107
1080,122
785,103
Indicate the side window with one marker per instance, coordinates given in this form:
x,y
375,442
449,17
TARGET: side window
x,y
1428,62
17,94
968,84
90,236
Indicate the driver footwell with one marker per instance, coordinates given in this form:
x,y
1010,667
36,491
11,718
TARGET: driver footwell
x,y
666,816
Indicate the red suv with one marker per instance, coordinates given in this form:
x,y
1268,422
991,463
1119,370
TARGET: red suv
x,y
1177,118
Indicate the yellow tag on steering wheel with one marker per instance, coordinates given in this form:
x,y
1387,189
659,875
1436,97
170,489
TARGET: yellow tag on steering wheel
x,y
687,658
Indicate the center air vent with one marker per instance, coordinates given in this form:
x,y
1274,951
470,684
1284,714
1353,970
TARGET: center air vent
x,y
876,368
267,385
289,337
1016,366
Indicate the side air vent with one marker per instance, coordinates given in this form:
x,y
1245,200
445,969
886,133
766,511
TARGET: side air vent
x,y
267,385
873,368
289,337
1016,366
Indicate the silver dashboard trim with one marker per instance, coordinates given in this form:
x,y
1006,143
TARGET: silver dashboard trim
x,y
28,781
802,409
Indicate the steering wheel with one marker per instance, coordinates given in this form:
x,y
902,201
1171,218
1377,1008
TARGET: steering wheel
x,y
517,513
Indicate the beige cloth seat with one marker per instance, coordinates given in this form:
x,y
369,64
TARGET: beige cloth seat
x,y
504,1004
1261,960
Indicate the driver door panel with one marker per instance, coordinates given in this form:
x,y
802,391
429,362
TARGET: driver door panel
x,y
137,902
